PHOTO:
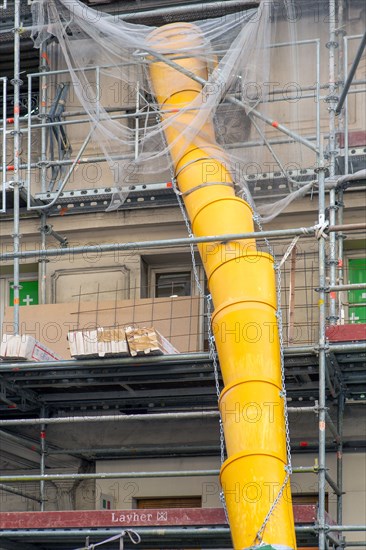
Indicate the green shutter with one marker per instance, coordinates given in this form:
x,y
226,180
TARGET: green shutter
x,y
357,274
28,294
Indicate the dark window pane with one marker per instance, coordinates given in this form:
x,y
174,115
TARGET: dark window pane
x,y
172,284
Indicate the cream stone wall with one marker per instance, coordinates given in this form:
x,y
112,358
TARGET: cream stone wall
x,y
67,275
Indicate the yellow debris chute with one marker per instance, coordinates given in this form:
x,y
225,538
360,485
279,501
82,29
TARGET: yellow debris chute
x,y
242,284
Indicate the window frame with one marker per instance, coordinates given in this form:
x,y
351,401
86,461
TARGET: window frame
x,y
5,290
344,295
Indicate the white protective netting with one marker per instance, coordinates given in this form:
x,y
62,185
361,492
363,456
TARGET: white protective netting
x,y
237,48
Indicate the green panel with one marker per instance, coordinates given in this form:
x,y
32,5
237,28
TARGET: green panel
x,y
357,314
28,294
357,274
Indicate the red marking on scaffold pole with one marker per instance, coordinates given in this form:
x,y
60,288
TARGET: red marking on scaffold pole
x,y
169,184
16,109
9,120
45,56
43,435
10,168
275,124
340,263
332,295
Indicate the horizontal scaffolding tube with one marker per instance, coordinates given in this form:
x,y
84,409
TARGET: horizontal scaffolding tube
x,y
124,417
346,528
311,350
340,288
142,245
108,418
178,532
116,475
107,475
347,227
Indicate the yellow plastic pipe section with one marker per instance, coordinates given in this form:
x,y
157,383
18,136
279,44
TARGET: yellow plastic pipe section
x,y
242,284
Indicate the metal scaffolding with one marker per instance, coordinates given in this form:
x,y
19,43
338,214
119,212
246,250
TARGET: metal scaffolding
x,y
329,284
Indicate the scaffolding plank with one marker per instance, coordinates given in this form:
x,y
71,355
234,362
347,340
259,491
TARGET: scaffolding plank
x,y
132,518
346,333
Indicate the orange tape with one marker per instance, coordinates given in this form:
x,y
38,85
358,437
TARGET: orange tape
x,y
45,56
16,301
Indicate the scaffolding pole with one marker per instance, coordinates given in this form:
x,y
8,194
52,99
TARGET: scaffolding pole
x,y
129,475
16,183
322,351
166,243
3,146
331,100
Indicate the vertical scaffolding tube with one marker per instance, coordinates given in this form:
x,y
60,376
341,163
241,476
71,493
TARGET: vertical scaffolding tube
x,y
3,208
42,115
332,102
43,261
43,461
16,82
342,128
341,403
345,71
322,351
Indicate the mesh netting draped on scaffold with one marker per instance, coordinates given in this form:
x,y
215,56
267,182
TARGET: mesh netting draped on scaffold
x,y
245,74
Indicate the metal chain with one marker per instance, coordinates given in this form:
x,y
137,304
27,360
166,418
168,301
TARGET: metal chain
x,y
132,535
211,337
259,535
288,468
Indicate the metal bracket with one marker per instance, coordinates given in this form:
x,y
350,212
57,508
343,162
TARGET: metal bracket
x,y
332,44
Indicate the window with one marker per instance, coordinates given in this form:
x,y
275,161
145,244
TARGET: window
x,y
357,298
172,284
167,275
